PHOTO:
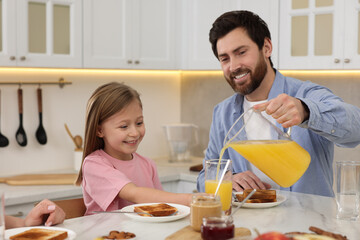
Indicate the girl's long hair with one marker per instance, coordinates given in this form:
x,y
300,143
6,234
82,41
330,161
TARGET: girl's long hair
x,y
106,100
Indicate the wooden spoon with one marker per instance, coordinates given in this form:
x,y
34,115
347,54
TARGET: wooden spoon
x,y
77,139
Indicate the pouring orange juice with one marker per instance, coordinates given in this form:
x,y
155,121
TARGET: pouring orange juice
x,y
279,157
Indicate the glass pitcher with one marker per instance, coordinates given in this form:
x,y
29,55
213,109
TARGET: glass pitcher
x,y
274,153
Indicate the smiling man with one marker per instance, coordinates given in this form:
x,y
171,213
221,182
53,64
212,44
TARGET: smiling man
x,y
242,43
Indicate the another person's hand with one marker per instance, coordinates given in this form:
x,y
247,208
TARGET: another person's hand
x,y
287,110
248,180
45,207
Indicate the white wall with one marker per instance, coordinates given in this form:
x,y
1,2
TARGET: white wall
x,y
160,93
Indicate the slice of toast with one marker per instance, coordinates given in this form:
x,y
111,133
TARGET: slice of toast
x,y
156,210
260,196
40,234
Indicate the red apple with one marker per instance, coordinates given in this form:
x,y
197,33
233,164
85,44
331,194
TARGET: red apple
x,y
272,236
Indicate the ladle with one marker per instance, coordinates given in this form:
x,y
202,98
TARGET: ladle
x,y
20,133
40,132
3,140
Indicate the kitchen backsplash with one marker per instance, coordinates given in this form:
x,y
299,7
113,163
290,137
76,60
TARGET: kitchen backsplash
x,y
168,97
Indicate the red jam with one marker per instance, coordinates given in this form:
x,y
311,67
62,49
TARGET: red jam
x,y
215,228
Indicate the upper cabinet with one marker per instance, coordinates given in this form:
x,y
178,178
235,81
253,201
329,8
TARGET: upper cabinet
x,y
197,19
130,34
40,33
319,34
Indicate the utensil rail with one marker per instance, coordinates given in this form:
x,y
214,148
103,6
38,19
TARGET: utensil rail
x,y
61,82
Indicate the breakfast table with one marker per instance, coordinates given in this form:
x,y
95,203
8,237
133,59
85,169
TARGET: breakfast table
x,y
297,213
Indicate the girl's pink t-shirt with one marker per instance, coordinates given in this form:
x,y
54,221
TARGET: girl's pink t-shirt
x,y
104,177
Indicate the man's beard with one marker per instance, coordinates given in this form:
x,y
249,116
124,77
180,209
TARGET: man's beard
x,y
256,78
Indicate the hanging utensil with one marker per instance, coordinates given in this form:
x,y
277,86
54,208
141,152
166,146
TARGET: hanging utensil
x,y
20,133
40,132
3,140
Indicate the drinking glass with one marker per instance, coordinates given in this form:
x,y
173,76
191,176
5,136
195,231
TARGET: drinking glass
x,y
347,175
274,153
214,169
2,216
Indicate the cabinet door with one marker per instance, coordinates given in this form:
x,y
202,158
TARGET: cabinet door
x,y
198,16
351,57
129,34
7,33
153,34
311,34
49,33
107,35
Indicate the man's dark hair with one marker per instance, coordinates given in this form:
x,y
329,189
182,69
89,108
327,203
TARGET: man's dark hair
x,y
255,27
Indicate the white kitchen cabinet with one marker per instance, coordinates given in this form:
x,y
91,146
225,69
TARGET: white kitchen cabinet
x,y
319,34
130,34
197,18
41,33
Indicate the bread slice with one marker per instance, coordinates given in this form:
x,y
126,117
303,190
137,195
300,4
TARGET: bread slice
x,y
260,196
156,210
40,234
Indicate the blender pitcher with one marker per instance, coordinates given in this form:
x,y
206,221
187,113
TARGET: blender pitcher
x,y
181,138
274,153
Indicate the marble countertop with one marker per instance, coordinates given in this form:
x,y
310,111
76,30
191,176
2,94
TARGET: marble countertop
x,y
297,213
15,195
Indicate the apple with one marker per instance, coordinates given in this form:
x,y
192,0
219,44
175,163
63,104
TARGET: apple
x,y
272,236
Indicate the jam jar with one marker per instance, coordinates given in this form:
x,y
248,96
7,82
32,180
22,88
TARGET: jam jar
x,y
217,228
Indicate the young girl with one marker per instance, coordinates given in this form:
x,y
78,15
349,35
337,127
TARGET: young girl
x,y
113,175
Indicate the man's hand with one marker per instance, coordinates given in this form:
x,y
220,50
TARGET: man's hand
x,y
45,207
248,180
287,110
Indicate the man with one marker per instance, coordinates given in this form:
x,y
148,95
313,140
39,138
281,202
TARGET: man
x,y
242,43
35,216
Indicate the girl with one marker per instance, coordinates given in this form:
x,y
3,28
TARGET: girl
x,y
113,175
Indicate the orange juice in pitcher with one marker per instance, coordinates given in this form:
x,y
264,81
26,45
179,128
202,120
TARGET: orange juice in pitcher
x,y
277,155
284,161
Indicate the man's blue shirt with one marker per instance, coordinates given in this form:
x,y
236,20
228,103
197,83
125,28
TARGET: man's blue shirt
x,y
330,121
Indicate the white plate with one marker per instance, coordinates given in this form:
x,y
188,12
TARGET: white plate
x,y
279,200
183,212
13,231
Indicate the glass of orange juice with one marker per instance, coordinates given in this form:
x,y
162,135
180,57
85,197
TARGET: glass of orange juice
x,y
214,169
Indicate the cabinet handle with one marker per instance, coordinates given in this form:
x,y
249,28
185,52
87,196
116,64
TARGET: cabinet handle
x,y
336,60
137,62
18,214
12,58
346,60
22,58
129,62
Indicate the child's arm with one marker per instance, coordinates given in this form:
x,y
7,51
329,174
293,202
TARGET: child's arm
x,y
132,193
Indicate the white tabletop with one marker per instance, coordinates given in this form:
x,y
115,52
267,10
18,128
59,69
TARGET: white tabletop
x,y
297,213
